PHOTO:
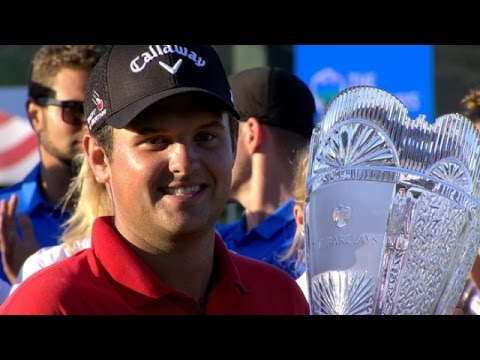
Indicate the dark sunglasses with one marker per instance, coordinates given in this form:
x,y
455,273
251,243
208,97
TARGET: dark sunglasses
x,y
72,111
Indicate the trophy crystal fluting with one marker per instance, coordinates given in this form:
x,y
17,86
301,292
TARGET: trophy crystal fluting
x,y
392,211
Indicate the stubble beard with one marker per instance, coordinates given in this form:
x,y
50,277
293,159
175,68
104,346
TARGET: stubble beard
x,y
49,146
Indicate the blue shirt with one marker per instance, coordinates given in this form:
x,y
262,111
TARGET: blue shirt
x,y
268,242
46,218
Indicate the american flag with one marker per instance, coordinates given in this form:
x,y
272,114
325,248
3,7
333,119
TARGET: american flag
x,y
18,148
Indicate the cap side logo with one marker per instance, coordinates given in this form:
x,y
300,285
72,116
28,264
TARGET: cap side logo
x,y
96,99
140,62
172,70
94,117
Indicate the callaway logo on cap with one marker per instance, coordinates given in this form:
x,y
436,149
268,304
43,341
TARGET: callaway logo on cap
x,y
130,78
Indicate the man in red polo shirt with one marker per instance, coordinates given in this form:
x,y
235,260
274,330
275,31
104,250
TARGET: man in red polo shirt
x,y
162,133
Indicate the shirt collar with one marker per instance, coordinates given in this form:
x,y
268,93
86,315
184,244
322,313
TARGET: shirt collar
x,y
31,196
283,215
142,285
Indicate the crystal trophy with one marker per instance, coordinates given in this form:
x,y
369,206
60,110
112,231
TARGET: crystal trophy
x,y
392,212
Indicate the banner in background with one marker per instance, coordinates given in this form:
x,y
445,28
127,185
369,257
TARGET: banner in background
x,y
407,71
18,142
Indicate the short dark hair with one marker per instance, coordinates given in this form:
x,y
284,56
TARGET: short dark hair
x,y
50,59
275,97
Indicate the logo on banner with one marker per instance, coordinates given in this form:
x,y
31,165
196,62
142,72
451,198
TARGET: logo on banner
x,y
327,82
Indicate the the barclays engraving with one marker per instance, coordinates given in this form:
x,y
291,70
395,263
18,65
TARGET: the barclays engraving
x,y
350,239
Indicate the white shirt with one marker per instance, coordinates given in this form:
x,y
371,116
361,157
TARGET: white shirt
x,y
302,282
45,257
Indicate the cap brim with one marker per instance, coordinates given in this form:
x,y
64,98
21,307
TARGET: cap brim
x,y
124,116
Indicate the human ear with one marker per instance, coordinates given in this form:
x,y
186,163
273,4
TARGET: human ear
x,y
35,115
298,215
96,158
254,134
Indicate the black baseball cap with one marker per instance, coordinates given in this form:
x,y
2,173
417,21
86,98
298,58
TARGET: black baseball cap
x,y
275,97
130,78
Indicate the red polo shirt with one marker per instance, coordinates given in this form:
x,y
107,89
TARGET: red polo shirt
x,y
109,278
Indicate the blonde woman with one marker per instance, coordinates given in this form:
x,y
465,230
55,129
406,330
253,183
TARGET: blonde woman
x,y
296,251
92,201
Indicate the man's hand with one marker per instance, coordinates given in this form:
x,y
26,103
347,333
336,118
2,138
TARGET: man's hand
x,y
14,249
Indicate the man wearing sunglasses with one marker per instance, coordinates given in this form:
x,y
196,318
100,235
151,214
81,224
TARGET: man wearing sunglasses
x,y
55,109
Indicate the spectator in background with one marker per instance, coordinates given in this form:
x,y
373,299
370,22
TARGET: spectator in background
x,y
470,299
162,138
296,252
277,113
55,109
471,106
91,201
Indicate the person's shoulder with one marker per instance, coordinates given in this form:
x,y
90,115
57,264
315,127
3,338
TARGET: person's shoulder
x,y
43,291
16,188
44,257
271,284
54,268
6,192
258,270
50,254
226,228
